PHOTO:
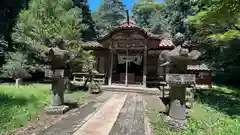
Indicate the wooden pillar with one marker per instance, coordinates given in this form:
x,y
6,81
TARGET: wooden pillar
x,y
126,74
145,67
110,68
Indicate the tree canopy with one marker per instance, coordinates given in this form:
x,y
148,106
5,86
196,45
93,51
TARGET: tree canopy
x,y
110,14
220,19
37,26
143,10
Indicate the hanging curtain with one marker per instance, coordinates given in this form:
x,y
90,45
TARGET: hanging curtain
x,y
135,59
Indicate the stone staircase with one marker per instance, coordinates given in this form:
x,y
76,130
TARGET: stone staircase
x,y
132,89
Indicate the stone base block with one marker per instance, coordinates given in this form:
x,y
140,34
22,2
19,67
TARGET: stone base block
x,y
175,125
56,109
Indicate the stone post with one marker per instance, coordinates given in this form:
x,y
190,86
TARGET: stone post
x,y
177,61
59,59
58,87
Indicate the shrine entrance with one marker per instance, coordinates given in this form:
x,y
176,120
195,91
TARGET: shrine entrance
x,y
128,58
126,55
128,68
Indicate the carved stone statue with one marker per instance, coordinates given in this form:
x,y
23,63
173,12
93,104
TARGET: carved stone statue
x,y
59,58
177,61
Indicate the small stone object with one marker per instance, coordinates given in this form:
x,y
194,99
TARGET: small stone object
x,y
56,109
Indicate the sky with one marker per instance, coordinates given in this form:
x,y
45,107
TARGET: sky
x,y
95,3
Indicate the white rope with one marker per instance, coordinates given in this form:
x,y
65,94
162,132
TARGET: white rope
x,y
127,60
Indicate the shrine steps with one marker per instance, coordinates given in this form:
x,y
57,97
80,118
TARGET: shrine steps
x,y
131,89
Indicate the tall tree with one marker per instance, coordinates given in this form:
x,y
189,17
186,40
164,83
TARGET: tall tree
x,y
143,10
90,32
218,24
110,14
41,22
220,19
173,16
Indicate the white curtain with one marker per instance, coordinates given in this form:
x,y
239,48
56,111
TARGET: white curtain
x,y
135,59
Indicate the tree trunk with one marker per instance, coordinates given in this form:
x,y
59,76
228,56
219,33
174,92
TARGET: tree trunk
x,y
18,82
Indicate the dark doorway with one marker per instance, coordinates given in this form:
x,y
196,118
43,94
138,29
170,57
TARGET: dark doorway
x,y
135,73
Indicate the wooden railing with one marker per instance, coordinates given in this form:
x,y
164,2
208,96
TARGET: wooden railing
x,y
84,78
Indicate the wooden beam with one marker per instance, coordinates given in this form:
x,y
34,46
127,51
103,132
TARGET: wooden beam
x,y
126,75
136,48
145,67
110,68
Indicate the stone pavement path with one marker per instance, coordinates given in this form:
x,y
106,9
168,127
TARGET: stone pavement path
x,y
131,117
114,114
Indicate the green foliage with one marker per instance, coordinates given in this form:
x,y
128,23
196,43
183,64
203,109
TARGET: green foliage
x,y
89,33
172,17
81,63
16,66
220,17
46,19
3,48
143,11
3,45
19,105
42,21
109,15
210,115
217,31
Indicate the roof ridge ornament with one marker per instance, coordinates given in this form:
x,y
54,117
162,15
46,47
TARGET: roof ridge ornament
x,y
128,19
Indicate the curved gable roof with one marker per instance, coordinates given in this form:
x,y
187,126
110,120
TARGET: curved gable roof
x,y
129,26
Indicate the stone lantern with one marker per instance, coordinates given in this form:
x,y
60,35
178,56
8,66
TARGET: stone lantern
x,y
177,61
59,59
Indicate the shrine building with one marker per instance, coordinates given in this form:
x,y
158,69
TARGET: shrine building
x,y
129,55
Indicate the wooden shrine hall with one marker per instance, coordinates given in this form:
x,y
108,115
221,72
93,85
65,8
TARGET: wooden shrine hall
x,y
129,55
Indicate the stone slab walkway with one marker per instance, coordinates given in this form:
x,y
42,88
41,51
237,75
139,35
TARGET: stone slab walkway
x,y
102,122
70,124
131,117
114,114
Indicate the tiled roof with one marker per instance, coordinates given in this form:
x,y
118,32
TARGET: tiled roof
x,y
131,24
94,44
198,67
125,24
166,43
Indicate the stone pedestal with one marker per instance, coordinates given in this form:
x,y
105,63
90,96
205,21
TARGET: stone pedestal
x,y
177,102
57,94
174,124
176,118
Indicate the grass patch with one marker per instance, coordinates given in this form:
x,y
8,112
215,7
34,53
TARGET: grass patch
x,y
215,112
19,105
77,96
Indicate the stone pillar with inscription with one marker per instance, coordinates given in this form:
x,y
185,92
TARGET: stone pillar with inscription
x,y
177,61
59,58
